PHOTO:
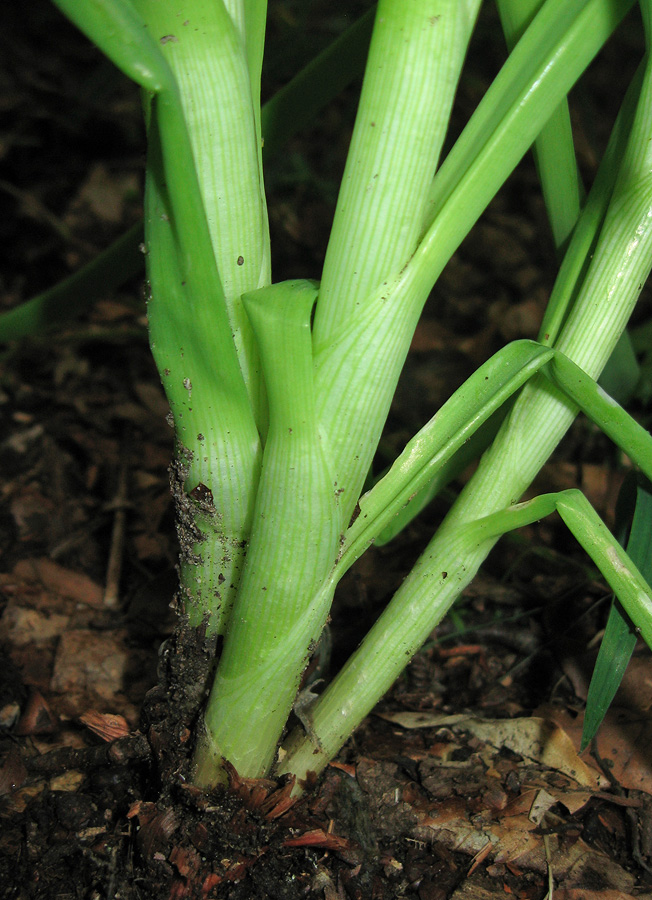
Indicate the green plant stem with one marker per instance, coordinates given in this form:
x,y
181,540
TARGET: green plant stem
x,y
537,422
367,349
200,334
359,350
363,326
276,424
294,540
218,452
205,50
218,446
276,616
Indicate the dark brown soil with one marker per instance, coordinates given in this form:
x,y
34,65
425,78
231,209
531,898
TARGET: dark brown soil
x,y
442,793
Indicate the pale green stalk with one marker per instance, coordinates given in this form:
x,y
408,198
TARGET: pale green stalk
x,y
217,327
293,542
209,56
216,436
362,329
216,61
543,67
413,70
190,329
506,122
537,422
416,52
357,368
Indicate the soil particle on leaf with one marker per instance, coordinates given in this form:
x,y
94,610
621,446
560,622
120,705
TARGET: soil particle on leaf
x,y
189,535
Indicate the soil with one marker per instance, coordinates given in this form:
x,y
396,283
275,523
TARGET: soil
x,y
466,781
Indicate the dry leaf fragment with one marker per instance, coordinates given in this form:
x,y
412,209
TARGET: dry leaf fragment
x,y
37,717
59,580
105,725
318,838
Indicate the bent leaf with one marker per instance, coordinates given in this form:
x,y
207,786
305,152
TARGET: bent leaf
x,y
620,636
459,418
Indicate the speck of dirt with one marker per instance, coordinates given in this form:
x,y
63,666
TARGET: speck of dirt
x,y
186,510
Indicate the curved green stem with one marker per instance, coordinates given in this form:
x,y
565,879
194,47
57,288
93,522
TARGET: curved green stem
x,y
538,420
278,614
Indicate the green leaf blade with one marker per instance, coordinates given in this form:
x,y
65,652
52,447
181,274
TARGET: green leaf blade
x,y
620,635
117,29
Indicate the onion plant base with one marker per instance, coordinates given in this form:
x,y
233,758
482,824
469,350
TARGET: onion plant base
x,y
157,823
279,392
